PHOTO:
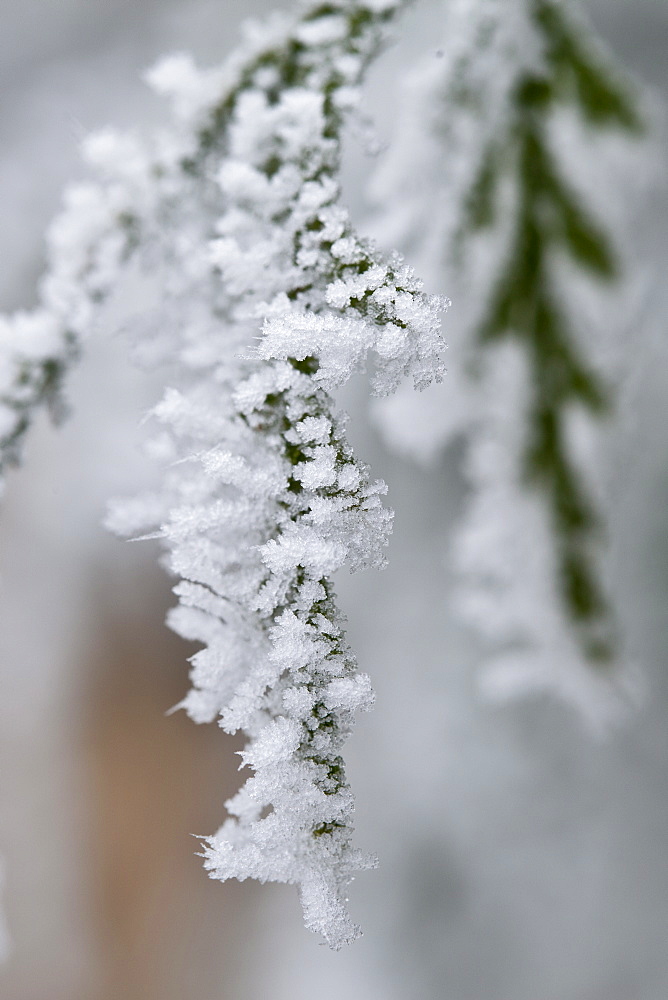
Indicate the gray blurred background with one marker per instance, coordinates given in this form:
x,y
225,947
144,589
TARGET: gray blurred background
x,y
520,859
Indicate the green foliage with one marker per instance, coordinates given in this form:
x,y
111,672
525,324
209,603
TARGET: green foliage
x,y
550,221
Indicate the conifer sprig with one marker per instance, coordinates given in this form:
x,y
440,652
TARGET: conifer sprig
x,y
483,186
551,220
266,300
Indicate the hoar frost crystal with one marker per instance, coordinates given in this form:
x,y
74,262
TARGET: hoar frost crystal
x,y
268,301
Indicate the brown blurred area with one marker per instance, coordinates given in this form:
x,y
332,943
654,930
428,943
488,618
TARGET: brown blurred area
x,y
120,786
151,778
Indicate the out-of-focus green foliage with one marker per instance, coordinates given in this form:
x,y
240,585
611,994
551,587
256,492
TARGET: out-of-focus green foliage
x,y
550,220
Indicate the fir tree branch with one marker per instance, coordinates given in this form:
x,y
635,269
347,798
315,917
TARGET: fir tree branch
x,y
266,302
484,189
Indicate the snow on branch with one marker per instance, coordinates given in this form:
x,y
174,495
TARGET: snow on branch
x,y
265,301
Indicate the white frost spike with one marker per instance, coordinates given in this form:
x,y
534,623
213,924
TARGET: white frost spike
x,y
277,741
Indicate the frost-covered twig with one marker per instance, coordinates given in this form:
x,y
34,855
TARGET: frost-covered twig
x,y
502,129
268,301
